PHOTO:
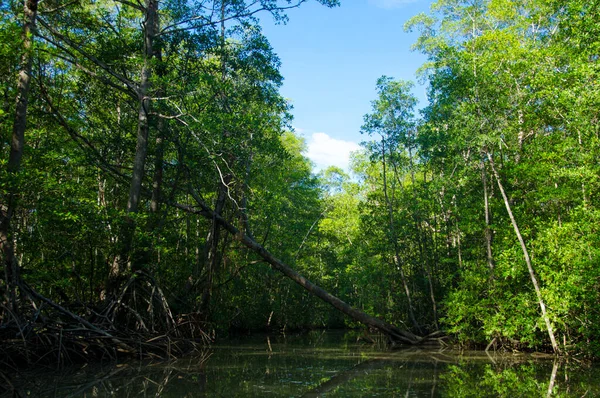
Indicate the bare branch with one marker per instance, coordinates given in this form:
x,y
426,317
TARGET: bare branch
x,y
209,22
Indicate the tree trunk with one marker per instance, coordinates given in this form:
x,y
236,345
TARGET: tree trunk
x,y
390,330
151,25
526,255
158,175
211,251
150,31
156,219
7,209
393,332
488,230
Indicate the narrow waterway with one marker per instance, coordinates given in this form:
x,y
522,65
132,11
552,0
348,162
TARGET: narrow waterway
x,y
320,364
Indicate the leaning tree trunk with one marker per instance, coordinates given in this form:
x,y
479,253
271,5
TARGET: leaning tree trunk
x,y
7,209
390,330
393,332
534,280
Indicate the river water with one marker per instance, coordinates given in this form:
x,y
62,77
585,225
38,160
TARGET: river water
x,y
321,364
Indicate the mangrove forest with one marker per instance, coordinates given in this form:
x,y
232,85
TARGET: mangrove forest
x,y
154,196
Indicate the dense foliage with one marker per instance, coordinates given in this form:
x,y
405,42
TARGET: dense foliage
x,y
479,217
486,208
139,117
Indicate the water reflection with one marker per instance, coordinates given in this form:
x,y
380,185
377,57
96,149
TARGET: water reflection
x,y
319,364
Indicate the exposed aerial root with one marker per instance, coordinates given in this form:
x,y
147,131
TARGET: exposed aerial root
x,y
47,333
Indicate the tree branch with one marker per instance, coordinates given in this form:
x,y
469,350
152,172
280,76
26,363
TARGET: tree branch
x,y
131,85
244,14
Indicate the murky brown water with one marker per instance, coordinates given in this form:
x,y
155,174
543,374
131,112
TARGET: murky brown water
x,y
320,364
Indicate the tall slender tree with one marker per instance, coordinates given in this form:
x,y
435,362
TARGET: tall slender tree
x,y
17,144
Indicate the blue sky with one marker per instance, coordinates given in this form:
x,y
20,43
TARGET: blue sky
x,y
331,59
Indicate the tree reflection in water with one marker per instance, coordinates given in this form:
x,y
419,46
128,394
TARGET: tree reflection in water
x,y
319,364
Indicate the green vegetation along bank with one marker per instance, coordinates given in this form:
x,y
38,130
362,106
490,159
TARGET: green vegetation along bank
x,y
134,135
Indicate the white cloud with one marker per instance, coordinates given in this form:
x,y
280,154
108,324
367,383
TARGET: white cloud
x,y
389,4
326,151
